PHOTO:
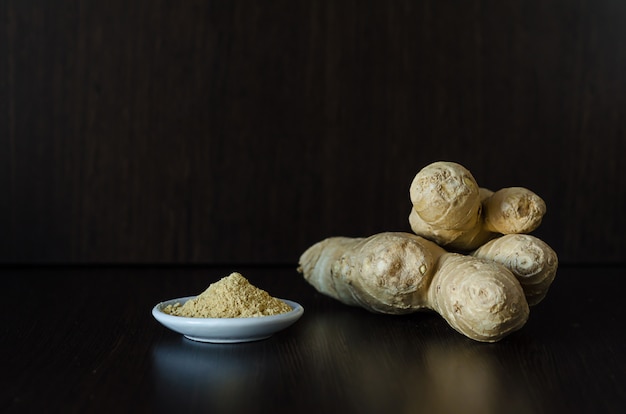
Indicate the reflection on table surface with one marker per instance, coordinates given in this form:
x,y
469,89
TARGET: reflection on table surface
x,y
339,358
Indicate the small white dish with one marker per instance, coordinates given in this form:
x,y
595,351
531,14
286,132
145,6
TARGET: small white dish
x,y
226,330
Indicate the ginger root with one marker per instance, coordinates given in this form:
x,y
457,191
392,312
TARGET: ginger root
x,y
471,258
449,208
529,258
400,273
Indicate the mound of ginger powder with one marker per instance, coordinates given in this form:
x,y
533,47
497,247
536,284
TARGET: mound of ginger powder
x,y
231,297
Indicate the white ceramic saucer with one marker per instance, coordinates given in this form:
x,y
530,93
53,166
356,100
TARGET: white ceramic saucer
x,y
226,330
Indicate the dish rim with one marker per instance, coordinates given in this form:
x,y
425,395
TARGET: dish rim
x,y
157,311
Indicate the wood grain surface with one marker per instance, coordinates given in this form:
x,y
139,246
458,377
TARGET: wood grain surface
x,y
71,346
244,131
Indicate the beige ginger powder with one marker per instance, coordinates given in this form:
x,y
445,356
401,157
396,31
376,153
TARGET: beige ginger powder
x,y
231,297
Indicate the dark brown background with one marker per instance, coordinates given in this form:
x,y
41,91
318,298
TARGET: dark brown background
x,y
244,131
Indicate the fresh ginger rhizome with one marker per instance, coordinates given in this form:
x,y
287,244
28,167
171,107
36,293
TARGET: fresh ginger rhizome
x,y
470,258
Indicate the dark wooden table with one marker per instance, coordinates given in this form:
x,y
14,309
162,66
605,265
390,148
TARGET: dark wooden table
x,y
83,339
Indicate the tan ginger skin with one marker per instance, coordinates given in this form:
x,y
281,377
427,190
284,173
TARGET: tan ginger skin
x,y
529,258
400,273
450,208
